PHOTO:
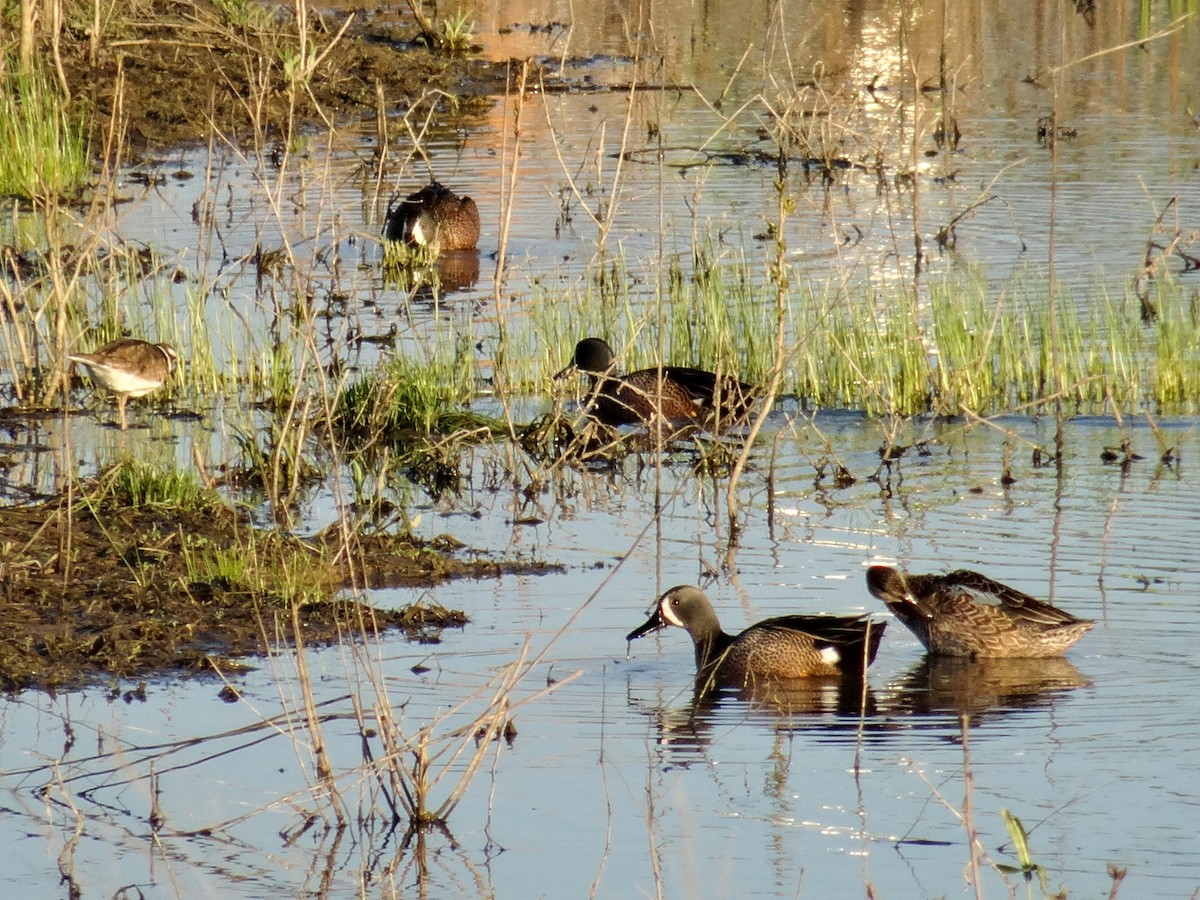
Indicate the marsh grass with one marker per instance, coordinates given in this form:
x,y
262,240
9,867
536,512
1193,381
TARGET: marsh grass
x,y
260,564
264,567
713,319
280,464
960,349
408,264
246,14
410,394
457,31
135,482
43,144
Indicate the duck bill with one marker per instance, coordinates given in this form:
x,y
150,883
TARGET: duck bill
x,y
654,623
571,369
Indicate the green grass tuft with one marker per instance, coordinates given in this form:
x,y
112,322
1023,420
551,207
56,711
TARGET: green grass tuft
x,y
134,482
408,394
43,149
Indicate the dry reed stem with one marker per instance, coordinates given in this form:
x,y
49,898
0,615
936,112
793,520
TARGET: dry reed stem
x,y
968,808
509,157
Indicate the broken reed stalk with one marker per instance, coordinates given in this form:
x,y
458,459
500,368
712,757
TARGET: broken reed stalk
x,y
1052,294
509,157
324,771
775,376
416,766
914,148
968,810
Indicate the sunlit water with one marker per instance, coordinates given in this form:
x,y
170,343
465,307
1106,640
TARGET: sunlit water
x,y
733,798
614,782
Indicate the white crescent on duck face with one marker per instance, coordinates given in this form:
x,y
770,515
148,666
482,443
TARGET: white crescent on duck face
x,y
667,613
778,649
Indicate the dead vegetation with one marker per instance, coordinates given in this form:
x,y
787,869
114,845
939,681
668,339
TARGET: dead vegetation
x,y
95,587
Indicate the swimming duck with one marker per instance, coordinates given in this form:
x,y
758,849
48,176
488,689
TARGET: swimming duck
x,y
434,217
779,649
970,615
678,394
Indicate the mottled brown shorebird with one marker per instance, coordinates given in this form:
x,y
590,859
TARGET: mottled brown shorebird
x,y
129,368
773,650
964,613
676,394
434,217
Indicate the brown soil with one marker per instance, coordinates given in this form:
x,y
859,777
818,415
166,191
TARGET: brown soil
x,y
180,70
98,589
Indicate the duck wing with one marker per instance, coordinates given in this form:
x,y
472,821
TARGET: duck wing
x,y
980,589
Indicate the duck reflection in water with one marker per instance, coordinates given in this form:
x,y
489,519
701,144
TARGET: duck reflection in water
x,y
832,708
980,688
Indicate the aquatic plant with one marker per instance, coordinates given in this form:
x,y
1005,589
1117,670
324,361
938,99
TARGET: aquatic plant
x,y
43,144
456,33
247,15
409,394
263,566
453,34
131,481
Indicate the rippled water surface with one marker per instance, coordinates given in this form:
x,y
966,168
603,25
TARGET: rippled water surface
x,y
615,782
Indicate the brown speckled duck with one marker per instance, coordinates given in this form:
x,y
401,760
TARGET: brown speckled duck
x,y
434,217
964,613
780,649
678,394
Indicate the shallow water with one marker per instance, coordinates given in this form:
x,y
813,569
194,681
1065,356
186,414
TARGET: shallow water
x,y
614,782
731,797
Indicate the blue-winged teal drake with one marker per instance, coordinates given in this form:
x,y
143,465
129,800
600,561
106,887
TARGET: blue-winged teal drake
x,y
434,217
129,368
967,614
773,650
677,394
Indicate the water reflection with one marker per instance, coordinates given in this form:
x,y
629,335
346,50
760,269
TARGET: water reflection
x,y
846,710
982,688
451,272
833,708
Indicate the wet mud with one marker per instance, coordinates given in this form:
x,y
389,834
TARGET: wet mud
x,y
96,589
177,73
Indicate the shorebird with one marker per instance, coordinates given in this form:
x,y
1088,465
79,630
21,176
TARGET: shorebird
x,y
129,368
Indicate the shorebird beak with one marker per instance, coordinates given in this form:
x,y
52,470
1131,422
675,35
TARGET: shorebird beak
x,y
654,623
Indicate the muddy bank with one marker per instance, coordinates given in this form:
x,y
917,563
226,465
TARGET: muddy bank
x,y
96,588
177,73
